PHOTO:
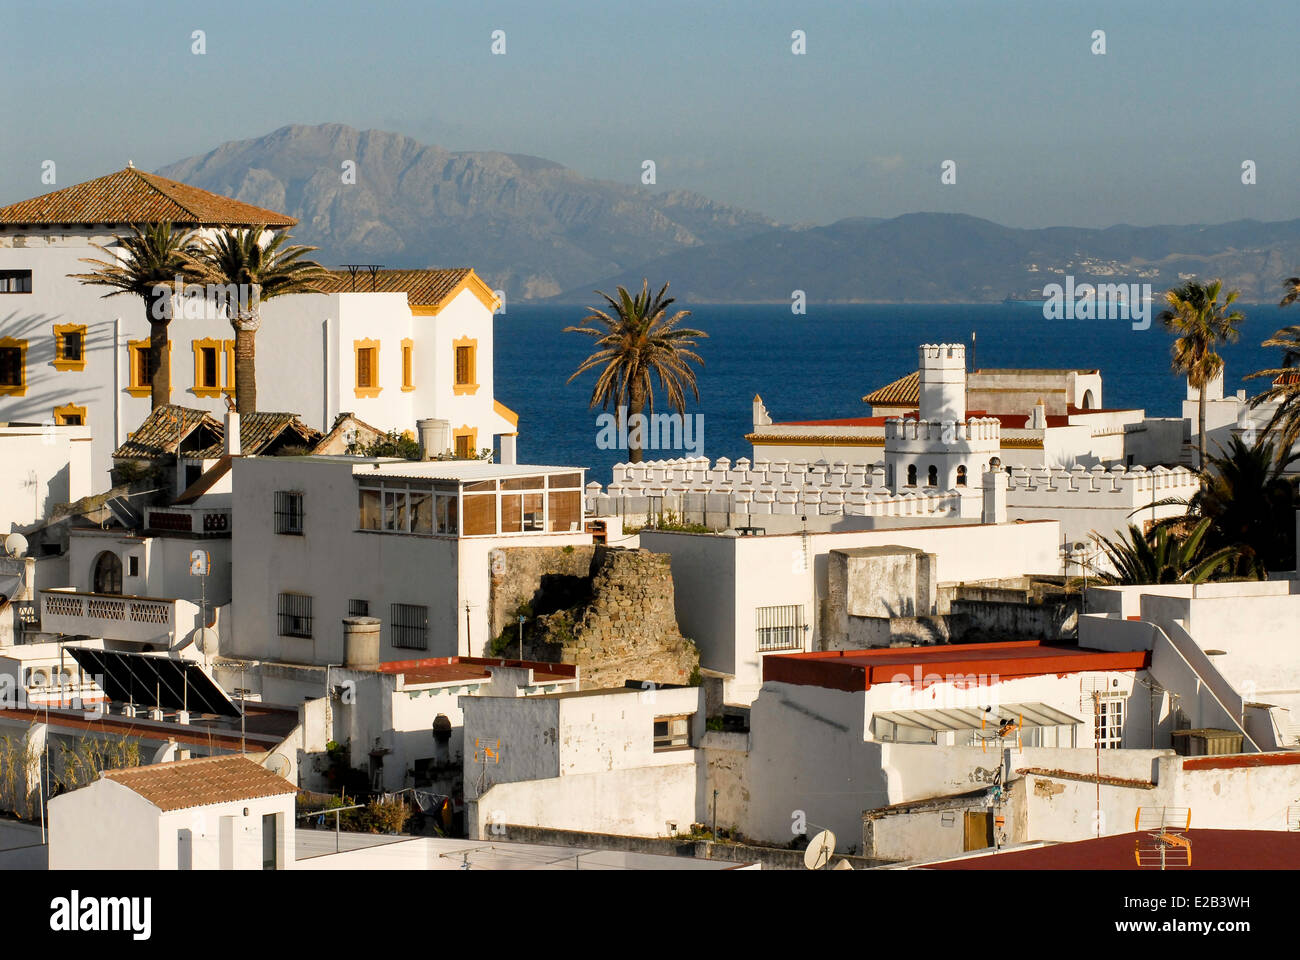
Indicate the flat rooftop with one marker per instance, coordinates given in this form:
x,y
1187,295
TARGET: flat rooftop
x,y
1211,850
453,469
854,670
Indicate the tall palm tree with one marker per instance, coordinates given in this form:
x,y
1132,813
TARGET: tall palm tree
x,y
150,261
636,338
1250,505
1200,324
1164,556
260,268
1284,388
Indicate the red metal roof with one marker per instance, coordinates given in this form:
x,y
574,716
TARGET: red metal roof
x,y
854,670
450,669
1238,761
1211,850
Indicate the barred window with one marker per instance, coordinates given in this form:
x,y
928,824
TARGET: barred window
x,y
410,626
780,628
358,608
288,512
295,615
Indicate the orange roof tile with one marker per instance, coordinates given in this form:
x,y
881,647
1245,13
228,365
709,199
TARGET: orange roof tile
x,y
903,391
133,196
202,781
423,288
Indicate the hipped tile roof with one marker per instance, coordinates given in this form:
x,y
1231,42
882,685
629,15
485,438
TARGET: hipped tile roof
x,y
133,196
182,784
902,392
423,288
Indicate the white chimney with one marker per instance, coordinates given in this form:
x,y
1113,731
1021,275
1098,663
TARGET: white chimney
x,y
232,433
995,494
508,454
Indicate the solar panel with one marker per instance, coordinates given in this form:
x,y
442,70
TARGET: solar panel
x,y
155,679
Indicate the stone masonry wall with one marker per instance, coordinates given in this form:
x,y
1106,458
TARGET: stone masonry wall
x,y
624,628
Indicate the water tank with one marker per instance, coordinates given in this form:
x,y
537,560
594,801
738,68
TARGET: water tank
x,y
361,642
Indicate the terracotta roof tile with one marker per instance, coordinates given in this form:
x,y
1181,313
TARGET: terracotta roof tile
x,y
133,196
202,781
163,430
903,391
423,288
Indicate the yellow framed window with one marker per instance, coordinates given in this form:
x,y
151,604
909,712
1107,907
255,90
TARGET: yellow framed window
x,y
228,347
366,353
69,346
207,368
408,364
13,367
466,442
70,415
466,372
141,369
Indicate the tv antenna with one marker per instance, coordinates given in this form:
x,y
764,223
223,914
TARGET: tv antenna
x,y
1162,842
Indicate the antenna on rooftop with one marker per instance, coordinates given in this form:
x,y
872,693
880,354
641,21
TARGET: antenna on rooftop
x,y
371,268
1163,844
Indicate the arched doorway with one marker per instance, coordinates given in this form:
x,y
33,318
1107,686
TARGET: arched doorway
x,y
107,574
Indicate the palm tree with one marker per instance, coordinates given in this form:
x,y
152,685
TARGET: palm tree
x,y
1284,389
1201,324
637,338
1250,505
259,269
1163,556
149,265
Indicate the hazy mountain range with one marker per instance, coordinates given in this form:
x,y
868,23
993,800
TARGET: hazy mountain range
x,y
537,229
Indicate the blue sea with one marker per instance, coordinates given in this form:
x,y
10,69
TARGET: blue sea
x,y
819,365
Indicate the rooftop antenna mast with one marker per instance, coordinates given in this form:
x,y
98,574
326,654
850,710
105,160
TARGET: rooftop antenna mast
x,y
1164,844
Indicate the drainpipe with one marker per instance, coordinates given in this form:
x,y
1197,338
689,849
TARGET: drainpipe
x,y
117,382
328,380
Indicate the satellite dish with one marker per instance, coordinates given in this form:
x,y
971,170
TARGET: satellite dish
x,y
819,850
278,764
15,544
205,639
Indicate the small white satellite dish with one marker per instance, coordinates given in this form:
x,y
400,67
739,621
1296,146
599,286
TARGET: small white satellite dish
x,y
205,639
819,850
278,764
15,544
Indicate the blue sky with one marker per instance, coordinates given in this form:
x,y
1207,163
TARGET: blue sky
x,y
1043,131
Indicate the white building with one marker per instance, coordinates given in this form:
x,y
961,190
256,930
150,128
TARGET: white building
x,y
622,761
394,347
1040,418
224,813
41,466
743,598
940,463
319,539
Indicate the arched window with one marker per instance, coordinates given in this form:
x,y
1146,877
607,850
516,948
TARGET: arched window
x,y
1088,401
961,476
911,474
932,480
107,576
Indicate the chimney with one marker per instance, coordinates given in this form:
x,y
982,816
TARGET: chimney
x,y
435,436
361,642
995,493
508,454
232,433
1038,416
